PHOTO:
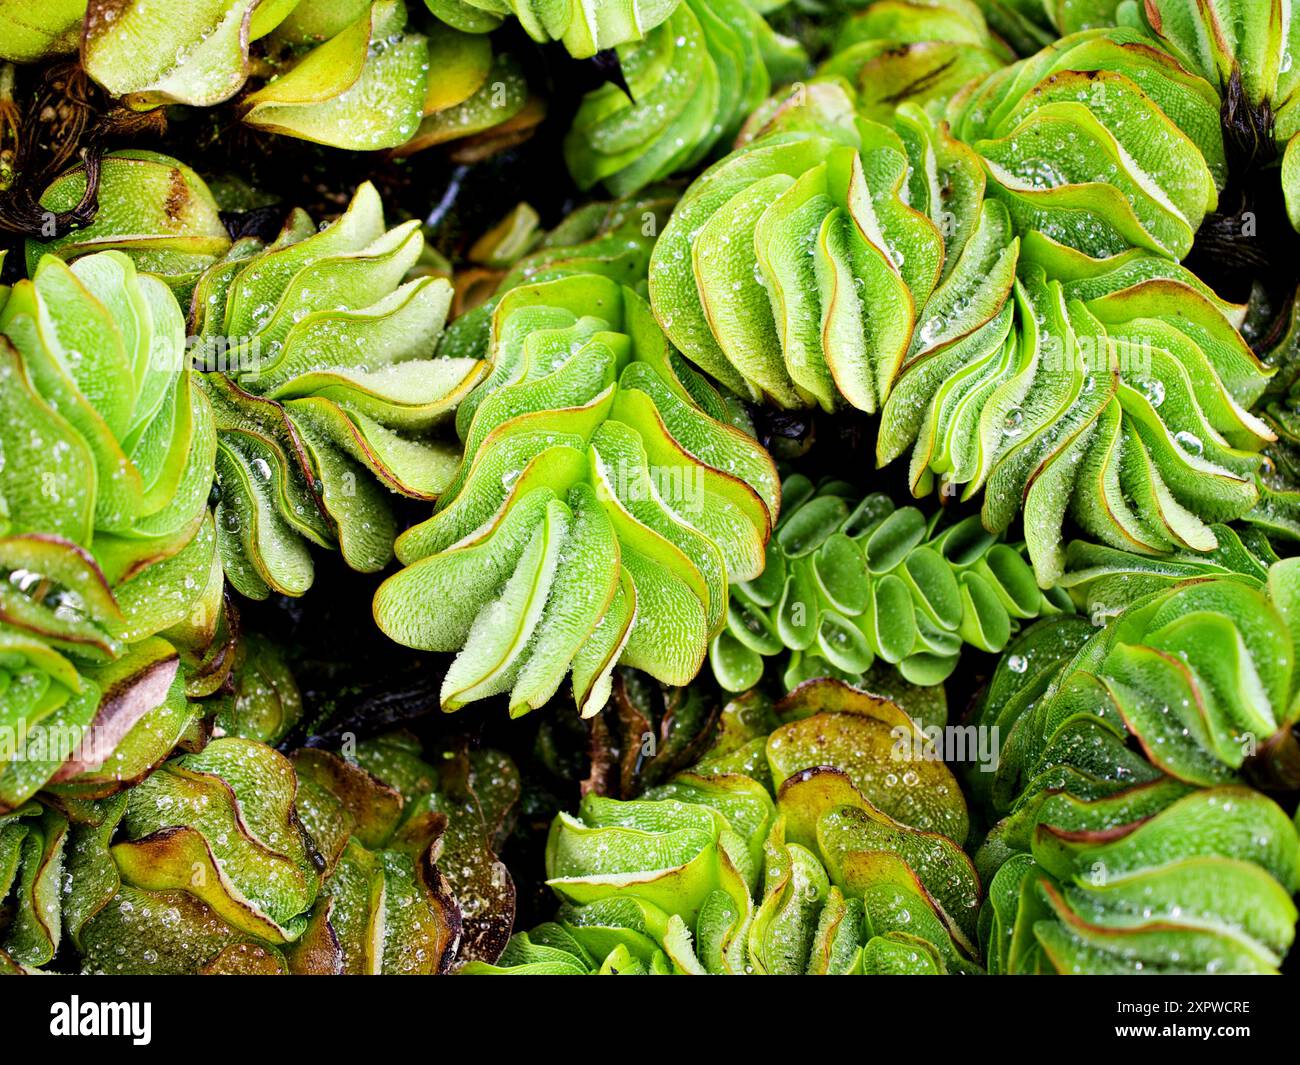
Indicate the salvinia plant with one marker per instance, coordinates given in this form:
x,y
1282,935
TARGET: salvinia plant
x,y
1130,838
327,396
231,857
603,503
317,362
354,74
1237,53
111,596
834,260
992,245
239,860
1114,398
610,238
851,579
890,51
820,835
689,85
918,208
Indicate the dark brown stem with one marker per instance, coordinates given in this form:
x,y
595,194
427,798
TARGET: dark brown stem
x,y
63,121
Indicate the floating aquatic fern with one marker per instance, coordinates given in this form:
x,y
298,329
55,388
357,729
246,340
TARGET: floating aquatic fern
x,y
1115,391
304,858
804,843
327,398
795,270
829,250
613,239
602,503
230,857
851,579
995,259
1245,51
354,75
1148,881
897,50
319,366
689,86
1121,785
1081,144
107,447
1199,673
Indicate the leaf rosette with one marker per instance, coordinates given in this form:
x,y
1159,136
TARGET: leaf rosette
x,y
602,502
1239,51
1149,880
1245,51
891,51
921,215
610,238
1118,393
326,394
105,539
689,85
801,844
318,359
1099,142
850,580
1128,840
237,860
796,269
1199,674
